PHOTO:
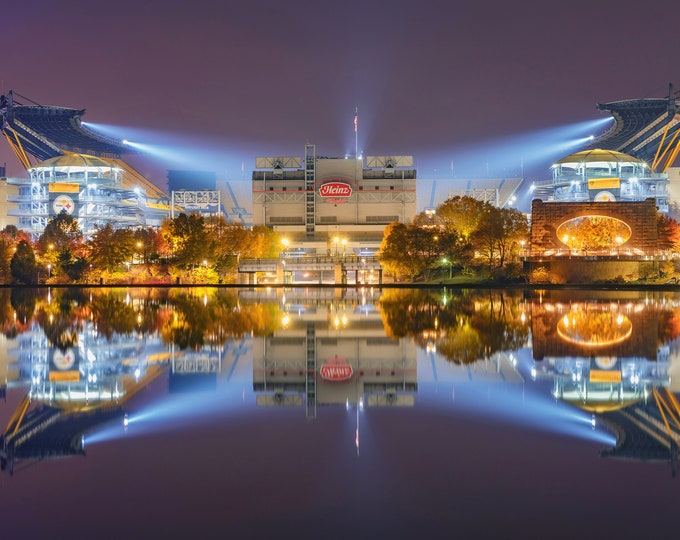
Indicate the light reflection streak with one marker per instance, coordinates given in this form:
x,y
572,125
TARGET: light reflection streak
x,y
176,411
526,408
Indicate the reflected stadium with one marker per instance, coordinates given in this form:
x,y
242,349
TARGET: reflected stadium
x,y
609,357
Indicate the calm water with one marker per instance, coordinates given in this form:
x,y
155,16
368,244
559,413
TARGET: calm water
x,y
333,413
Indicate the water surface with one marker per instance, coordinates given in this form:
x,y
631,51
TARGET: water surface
x,y
337,413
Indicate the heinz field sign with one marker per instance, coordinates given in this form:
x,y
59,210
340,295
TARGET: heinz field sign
x,y
335,190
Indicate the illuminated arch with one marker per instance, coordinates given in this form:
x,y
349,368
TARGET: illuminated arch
x,y
593,232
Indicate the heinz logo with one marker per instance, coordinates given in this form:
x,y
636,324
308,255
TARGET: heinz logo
x,y
336,370
335,189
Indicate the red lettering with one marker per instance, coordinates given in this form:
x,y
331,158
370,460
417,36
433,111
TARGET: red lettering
x,y
335,189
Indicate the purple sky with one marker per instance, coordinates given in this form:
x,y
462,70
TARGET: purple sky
x,y
431,78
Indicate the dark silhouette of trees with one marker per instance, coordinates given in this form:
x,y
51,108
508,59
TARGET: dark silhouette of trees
x,y
23,264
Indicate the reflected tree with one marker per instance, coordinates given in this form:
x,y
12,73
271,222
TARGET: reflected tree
x,y
463,326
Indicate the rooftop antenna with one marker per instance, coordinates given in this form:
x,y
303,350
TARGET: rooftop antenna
x,y
356,132
356,147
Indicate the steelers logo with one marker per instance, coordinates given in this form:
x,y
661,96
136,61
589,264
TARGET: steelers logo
x,y
605,196
63,202
64,360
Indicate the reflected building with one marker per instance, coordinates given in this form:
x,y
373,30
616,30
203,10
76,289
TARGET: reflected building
x,y
83,357
611,356
600,350
333,351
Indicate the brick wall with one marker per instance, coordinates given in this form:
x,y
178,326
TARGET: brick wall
x,y
546,217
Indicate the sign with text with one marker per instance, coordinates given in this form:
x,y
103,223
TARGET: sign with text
x,y
335,190
336,370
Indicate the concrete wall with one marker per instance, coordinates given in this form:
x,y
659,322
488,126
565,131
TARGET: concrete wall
x,y
579,270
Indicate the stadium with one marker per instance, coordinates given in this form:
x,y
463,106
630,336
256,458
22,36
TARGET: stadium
x,y
321,205
74,168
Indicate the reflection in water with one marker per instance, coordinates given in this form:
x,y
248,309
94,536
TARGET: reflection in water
x,y
83,354
597,327
610,358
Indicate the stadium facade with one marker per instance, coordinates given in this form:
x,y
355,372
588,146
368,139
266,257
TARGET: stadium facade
x,y
333,206
599,175
321,205
73,169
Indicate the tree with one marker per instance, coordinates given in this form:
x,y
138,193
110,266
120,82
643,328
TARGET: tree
x,y
498,232
61,243
111,247
150,245
23,265
461,214
188,239
62,233
393,251
6,252
668,230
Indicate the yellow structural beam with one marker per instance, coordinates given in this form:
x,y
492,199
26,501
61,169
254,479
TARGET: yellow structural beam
x,y
133,178
662,405
18,415
661,151
17,148
671,158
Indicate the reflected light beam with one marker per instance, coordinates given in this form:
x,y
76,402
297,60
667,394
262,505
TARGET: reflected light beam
x,y
536,411
169,414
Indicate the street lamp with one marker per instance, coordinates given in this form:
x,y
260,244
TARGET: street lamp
x,y
344,243
335,241
49,270
450,263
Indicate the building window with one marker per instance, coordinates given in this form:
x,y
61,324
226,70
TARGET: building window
x,y
377,188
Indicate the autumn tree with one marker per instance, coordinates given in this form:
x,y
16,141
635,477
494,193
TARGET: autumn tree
x,y
499,232
393,252
150,245
409,251
62,246
227,243
461,214
668,230
111,247
6,252
187,238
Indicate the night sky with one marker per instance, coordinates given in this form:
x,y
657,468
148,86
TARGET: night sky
x,y
444,81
